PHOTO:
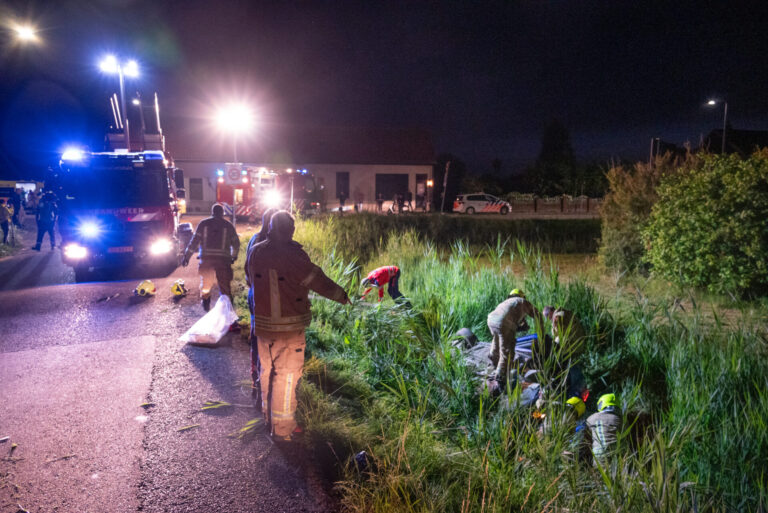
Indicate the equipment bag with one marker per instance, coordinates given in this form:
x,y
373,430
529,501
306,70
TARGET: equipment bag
x,y
212,326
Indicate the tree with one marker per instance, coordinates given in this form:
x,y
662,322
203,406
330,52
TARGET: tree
x,y
555,167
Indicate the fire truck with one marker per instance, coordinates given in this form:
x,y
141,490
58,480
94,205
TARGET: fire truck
x,y
120,207
253,189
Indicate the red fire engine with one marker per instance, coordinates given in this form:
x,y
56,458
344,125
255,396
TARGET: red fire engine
x,y
253,189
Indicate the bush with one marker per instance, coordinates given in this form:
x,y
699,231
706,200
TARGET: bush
x,y
709,229
626,209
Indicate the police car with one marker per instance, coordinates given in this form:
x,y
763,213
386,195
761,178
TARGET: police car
x,y
480,203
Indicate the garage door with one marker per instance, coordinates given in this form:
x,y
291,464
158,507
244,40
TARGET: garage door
x,y
390,184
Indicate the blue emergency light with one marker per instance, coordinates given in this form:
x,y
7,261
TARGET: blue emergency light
x,y
243,172
220,172
153,155
72,154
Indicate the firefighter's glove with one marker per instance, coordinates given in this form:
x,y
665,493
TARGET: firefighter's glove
x,y
185,260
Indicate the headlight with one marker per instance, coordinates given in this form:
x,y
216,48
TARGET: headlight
x,y
89,229
272,199
75,251
160,246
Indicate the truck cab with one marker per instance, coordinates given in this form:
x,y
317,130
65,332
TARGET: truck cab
x,y
118,209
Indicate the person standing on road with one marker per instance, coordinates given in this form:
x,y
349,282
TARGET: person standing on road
x,y
260,236
46,216
219,246
5,218
503,324
15,202
281,275
387,275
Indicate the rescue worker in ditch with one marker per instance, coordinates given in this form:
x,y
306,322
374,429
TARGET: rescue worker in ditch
x,y
219,246
387,275
259,236
604,425
567,332
503,323
281,275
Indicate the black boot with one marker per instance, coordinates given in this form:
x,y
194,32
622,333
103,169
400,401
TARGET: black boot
x,y
206,303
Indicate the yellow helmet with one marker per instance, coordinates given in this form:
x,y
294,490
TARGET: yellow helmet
x,y
178,289
578,405
145,288
605,401
516,292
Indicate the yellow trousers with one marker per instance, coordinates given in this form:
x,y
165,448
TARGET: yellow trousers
x,y
282,363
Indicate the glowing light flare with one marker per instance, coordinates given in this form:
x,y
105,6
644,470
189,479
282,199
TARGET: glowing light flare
x,y
73,154
221,179
136,101
712,102
272,199
75,251
160,247
109,64
131,69
26,33
90,229
236,118
430,183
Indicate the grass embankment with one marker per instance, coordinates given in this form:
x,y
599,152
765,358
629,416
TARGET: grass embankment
x,y
20,239
384,379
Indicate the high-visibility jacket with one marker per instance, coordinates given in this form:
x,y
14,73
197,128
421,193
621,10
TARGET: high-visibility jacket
x,y
380,277
217,240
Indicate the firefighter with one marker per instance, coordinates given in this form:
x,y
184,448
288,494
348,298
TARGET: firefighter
x,y
387,275
5,219
219,245
503,323
604,427
260,236
281,275
567,331
46,215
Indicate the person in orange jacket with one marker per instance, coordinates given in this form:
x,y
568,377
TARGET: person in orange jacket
x,y
387,275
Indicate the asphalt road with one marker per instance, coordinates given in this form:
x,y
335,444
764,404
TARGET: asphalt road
x,y
78,362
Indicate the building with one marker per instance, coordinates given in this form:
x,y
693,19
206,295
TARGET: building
x,y
359,164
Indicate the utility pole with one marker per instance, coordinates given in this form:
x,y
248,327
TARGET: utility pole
x,y
445,184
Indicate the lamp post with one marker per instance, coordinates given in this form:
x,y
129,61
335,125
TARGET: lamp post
x,y
235,120
26,34
712,103
130,69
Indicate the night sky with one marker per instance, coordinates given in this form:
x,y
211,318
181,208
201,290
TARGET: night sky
x,y
482,77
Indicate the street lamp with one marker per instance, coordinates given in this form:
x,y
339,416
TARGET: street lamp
x,y
235,119
130,69
26,34
713,103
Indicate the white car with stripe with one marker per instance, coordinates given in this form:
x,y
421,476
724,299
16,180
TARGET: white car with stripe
x,y
480,203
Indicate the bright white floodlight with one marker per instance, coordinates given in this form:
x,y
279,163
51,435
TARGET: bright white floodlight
x,y
712,102
131,69
25,33
109,64
235,119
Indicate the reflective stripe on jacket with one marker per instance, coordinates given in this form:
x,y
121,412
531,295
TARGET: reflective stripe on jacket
x,y
281,275
216,239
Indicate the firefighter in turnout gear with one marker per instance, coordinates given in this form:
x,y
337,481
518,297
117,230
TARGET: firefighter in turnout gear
x,y
218,243
281,275
503,324
387,275
604,427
